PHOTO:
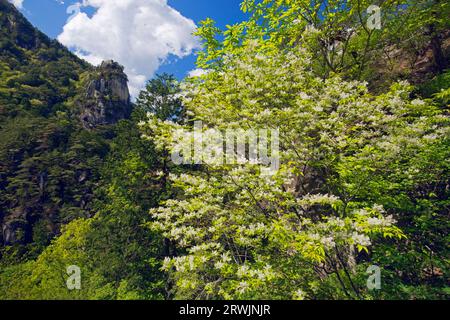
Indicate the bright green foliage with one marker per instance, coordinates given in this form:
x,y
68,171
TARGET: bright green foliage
x,y
161,97
363,178
438,88
351,163
338,34
46,277
123,248
118,256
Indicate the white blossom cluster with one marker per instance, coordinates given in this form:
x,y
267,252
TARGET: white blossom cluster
x,y
244,233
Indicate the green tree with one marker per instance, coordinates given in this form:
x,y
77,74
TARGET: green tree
x,y
355,186
339,35
161,97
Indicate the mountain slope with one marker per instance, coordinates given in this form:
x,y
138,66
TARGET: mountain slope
x,y
50,151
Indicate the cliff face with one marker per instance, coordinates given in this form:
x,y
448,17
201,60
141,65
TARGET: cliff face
x,y
107,99
416,66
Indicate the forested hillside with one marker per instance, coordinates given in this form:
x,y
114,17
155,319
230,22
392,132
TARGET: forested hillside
x,y
87,178
49,162
38,76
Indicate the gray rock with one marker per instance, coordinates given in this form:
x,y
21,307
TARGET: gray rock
x,y
107,98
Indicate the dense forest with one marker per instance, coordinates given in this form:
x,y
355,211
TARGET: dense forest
x,y
359,92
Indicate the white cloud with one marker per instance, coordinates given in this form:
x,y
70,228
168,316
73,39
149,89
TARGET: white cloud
x,y
197,72
140,34
17,3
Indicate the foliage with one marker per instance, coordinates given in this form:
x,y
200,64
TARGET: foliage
x,y
337,34
363,178
118,257
48,164
162,98
352,163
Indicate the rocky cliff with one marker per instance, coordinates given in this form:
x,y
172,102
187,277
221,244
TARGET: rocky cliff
x,y
107,99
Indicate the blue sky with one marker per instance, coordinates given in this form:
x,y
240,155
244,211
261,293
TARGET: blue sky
x,y
50,16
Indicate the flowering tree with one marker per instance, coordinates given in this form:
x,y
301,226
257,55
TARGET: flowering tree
x,y
305,230
377,41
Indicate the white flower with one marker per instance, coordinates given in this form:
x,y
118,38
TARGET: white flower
x,y
166,264
304,96
243,287
418,102
361,239
328,242
243,271
299,295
